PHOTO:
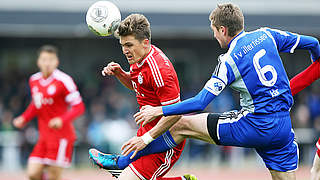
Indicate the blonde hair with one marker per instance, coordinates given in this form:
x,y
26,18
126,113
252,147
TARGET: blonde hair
x,y
228,15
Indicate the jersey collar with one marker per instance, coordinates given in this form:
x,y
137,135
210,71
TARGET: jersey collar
x,y
45,82
235,38
144,59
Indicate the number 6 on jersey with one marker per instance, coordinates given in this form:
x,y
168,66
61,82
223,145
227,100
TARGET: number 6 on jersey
x,y
262,71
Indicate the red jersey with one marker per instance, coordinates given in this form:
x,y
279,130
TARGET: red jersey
x,y
52,97
155,83
305,78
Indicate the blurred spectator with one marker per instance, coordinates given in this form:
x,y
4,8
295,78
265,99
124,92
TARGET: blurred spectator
x,y
223,103
95,128
301,116
6,118
314,102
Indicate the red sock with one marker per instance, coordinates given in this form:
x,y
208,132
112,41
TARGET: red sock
x,y
169,178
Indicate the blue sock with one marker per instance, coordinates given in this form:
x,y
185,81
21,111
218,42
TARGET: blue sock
x,y
161,144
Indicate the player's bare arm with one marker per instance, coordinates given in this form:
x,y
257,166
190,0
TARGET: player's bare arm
x,y
114,69
138,143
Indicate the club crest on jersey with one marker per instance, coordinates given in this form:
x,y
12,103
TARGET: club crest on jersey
x,y
140,78
218,86
215,86
51,89
37,98
35,89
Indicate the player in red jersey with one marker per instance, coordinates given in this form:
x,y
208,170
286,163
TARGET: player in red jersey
x,y
298,83
155,82
56,102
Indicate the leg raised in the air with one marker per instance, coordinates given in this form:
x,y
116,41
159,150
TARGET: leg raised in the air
x,y
194,126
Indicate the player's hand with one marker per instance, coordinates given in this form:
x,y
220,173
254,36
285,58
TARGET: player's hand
x,y
19,122
135,144
111,69
147,114
56,123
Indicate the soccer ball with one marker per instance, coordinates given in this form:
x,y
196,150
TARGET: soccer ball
x,y
103,18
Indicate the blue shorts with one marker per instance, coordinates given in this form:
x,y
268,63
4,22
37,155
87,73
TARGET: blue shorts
x,y
270,134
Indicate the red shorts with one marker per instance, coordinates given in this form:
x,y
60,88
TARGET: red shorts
x,y
55,152
318,147
156,165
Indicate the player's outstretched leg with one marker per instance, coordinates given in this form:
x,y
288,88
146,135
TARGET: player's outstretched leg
x,y
105,161
116,162
189,126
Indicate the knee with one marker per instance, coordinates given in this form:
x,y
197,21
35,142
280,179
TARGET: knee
x,y
34,175
53,177
315,171
54,174
181,127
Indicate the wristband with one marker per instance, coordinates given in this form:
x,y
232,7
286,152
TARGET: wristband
x,y
147,138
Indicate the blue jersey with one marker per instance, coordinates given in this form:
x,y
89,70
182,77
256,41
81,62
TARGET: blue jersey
x,y
253,67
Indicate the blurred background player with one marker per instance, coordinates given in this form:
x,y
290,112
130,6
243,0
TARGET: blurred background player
x,y
253,67
56,102
155,82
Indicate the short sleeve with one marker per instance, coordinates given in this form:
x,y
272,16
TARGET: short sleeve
x,y
221,77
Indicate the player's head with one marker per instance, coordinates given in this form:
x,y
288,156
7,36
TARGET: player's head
x,y
135,36
47,59
226,22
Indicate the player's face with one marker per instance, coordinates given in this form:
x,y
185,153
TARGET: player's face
x,y
47,63
221,35
133,49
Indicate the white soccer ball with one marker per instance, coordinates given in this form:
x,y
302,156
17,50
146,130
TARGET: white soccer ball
x,y
103,18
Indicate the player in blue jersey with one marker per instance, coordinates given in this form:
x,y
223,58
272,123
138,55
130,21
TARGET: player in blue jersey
x,y
251,66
